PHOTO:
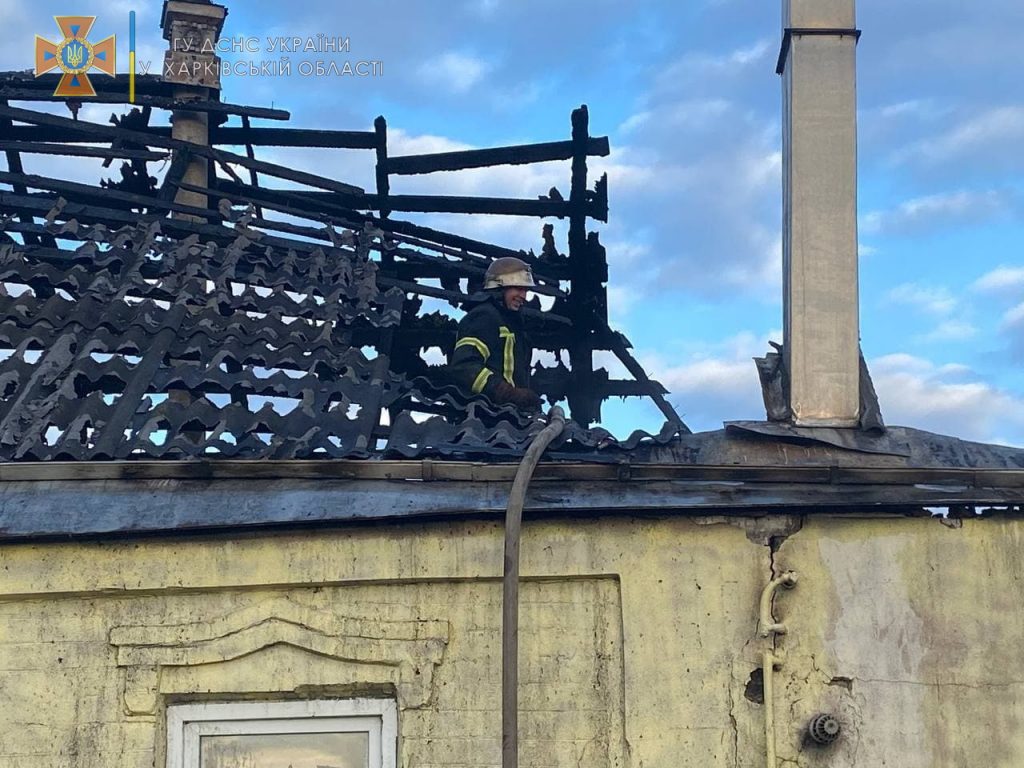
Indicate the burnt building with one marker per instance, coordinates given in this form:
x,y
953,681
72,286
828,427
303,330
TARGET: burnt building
x,y
243,518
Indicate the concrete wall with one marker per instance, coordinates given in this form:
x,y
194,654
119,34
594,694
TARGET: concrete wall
x,y
638,639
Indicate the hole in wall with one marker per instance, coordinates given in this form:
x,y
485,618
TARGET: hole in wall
x,y
842,682
755,687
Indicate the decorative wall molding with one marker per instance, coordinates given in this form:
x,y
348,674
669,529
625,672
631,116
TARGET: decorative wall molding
x,y
359,651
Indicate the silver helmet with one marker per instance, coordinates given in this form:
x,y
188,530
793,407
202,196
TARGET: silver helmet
x,y
509,272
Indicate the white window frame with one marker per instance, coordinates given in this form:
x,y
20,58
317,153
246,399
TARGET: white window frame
x,y
187,723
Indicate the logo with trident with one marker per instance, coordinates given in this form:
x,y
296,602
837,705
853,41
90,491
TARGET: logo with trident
x,y
75,56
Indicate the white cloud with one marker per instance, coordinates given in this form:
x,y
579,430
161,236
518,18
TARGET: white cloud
x,y
936,300
718,205
457,72
996,128
1013,317
913,108
900,361
915,392
630,170
945,209
760,275
763,171
515,97
751,54
624,253
620,300
1001,280
701,66
880,125
728,377
633,122
693,114
402,142
951,330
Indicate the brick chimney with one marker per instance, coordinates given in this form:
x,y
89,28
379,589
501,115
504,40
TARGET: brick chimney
x,y
191,29
819,235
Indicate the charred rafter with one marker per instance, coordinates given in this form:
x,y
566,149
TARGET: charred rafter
x,y
201,304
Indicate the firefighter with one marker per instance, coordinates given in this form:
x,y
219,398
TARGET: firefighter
x,y
492,355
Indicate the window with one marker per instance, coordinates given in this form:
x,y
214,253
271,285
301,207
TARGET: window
x,y
353,733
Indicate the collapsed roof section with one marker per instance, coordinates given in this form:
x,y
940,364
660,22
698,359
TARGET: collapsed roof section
x,y
270,321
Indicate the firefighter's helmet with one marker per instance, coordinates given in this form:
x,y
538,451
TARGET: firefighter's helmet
x,y
508,272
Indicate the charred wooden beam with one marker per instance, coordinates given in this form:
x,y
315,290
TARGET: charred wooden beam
x,y
417,265
458,298
40,206
331,202
44,133
251,154
158,102
480,158
355,220
583,401
225,236
426,265
42,148
240,194
293,137
503,206
92,193
629,388
620,346
102,132
14,165
145,85
294,203
258,137
380,127
231,171
457,242
174,175
283,201
219,234
91,213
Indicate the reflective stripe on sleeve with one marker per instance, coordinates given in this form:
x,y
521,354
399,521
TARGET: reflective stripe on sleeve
x,y
481,380
472,341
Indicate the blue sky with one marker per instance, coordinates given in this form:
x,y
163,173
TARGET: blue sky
x,y
687,93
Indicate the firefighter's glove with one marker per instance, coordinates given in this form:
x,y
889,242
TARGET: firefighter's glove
x,y
521,397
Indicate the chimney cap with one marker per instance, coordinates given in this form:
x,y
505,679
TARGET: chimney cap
x,y
200,10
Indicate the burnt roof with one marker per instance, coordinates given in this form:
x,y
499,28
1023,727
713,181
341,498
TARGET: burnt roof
x,y
134,327
138,345
281,318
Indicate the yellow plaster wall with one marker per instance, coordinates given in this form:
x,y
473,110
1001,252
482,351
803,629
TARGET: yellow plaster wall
x,y
638,639
912,631
97,638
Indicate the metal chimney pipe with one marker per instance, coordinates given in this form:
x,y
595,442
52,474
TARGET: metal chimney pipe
x,y
821,320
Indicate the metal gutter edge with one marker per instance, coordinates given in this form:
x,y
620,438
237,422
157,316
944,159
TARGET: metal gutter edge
x,y
428,470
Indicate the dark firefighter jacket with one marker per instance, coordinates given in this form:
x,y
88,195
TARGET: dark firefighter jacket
x,y
491,346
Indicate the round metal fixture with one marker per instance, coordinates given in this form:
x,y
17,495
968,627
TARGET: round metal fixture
x,y
823,729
